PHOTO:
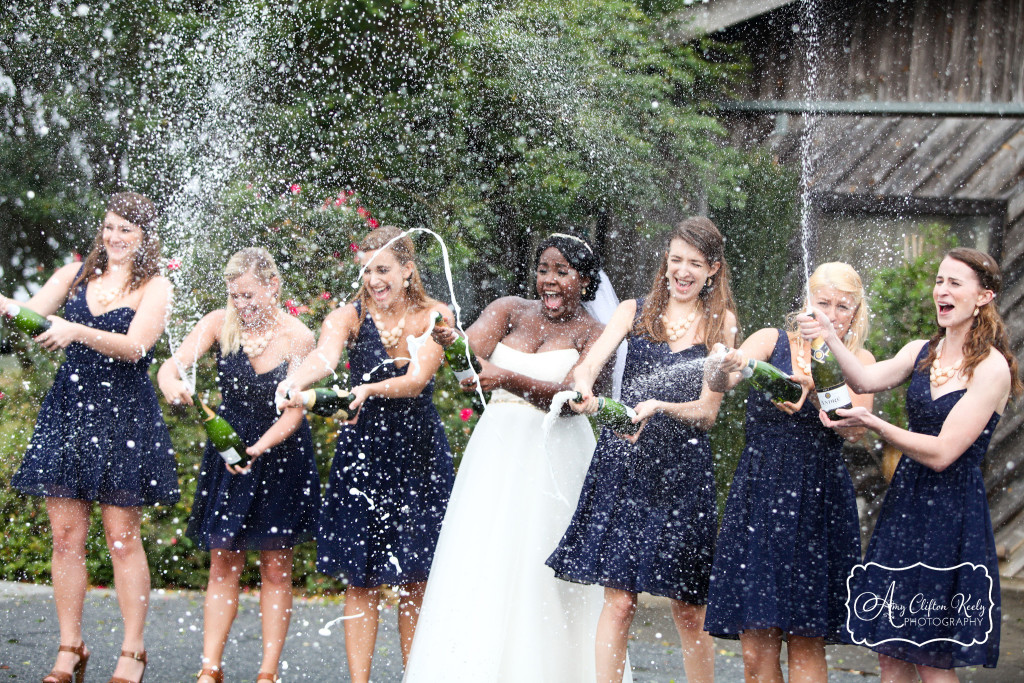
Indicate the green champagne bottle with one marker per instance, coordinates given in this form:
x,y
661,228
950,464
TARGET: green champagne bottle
x,y
331,402
26,320
610,412
772,382
223,436
460,357
828,380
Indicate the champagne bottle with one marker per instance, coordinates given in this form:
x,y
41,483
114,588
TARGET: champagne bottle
x,y
331,402
223,436
460,357
610,412
774,383
26,320
828,380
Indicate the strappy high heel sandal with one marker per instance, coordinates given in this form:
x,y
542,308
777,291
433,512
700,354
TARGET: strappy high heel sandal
x,y
78,674
216,674
137,656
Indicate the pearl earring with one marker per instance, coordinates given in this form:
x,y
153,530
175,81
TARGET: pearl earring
x,y
976,309
405,284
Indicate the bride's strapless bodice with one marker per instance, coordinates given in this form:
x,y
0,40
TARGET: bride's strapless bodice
x,y
548,366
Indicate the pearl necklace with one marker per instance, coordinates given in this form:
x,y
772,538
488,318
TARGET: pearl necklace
x,y
678,330
937,375
389,338
256,344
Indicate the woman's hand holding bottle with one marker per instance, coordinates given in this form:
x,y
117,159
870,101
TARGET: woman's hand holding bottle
x,y
174,390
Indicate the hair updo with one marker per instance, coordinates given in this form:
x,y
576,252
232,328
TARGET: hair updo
x,y
581,256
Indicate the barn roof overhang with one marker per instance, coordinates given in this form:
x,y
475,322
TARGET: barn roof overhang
x,y
716,15
875,108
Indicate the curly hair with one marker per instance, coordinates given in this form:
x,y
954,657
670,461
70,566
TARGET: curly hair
x,y
580,254
140,211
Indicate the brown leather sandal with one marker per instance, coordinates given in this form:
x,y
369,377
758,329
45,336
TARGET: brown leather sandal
x,y
78,675
216,674
266,677
137,656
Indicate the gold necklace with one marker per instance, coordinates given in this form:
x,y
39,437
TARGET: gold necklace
x,y
939,376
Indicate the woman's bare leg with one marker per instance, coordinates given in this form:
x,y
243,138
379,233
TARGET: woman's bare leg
x,y
613,634
123,529
410,600
361,631
275,604
220,605
807,663
69,524
762,649
698,645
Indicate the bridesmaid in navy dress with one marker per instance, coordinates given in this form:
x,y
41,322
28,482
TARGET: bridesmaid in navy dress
x,y
100,436
271,504
392,470
646,517
935,511
790,534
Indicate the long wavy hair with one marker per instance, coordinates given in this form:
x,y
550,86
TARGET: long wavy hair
x,y
843,277
987,329
715,297
401,245
260,263
140,211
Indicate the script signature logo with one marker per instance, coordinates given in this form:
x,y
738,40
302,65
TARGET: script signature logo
x,y
880,608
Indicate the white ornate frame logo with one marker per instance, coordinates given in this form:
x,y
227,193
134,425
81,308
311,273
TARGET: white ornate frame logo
x,y
866,641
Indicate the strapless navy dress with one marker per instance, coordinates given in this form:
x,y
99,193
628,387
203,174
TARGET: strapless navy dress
x,y
646,518
790,534
390,481
100,435
275,505
938,519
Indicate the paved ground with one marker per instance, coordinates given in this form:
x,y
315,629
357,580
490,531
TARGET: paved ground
x,y
28,636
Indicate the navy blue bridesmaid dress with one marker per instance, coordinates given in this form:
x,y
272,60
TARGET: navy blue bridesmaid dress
x,y
790,534
272,507
100,435
939,519
646,518
390,481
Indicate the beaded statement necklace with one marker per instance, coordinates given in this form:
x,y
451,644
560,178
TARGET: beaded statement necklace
x,y
936,374
803,364
677,329
256,344
105,296
389,338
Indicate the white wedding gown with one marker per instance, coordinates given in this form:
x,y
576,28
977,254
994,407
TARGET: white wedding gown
x,y
493,611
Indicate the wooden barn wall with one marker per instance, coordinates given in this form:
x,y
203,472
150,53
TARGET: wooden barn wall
x,y
907,50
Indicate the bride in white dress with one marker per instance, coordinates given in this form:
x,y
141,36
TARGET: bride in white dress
x,y
493,611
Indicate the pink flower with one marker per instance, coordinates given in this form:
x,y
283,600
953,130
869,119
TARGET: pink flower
x,y
336,254
292,307
363,211
173,264
326,296
347,366
353,247
373,223
76,256
295,188
174,541
465,414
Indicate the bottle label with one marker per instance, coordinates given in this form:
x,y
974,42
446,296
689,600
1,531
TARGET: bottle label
x,y
230,456
836,397
462,374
